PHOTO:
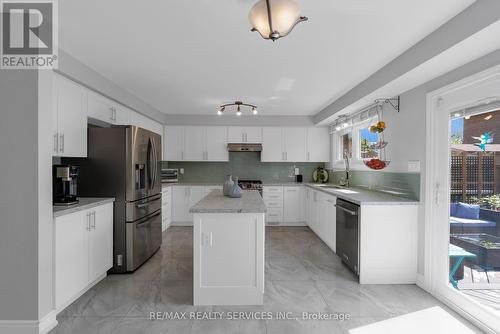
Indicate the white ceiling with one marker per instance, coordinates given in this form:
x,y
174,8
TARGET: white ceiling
x,y
186,57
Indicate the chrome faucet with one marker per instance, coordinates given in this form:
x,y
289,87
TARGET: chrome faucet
x,y
345,181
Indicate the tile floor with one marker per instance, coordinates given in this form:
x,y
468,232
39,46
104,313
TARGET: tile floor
x,y
302,275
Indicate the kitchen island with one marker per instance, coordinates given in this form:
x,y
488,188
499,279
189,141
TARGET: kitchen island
x,y
228,264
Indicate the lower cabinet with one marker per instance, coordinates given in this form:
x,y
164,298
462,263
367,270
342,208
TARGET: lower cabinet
x,y
321,215
183,198
83,251
166,207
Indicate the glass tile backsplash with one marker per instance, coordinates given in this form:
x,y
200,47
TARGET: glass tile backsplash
x,y
401,184
245,165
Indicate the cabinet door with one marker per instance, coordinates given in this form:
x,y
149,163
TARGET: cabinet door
x,y
294,140
100,240
179,204
101,108
194,143
331,228
253,134
195,194
71,256
292,205
314,210
307,206
322,229
71,100
216,142
235,134
145,123
122,115
318,145
272,144
173,143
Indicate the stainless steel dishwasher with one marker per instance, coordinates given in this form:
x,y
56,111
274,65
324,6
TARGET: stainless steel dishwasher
x,y
348,233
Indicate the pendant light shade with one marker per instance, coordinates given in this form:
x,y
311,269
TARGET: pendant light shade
x,y
274,19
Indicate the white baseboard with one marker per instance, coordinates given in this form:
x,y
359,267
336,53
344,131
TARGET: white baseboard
x,y
42,326
421,281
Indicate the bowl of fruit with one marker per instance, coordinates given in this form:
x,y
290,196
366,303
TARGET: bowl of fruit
x,y
376,164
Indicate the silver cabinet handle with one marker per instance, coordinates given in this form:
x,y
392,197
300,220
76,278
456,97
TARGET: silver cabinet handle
x,y
308,156
61,143
352,213
56,142
112,113
93,220
88,221
182,155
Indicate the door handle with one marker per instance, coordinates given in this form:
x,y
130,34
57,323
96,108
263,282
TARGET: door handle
x,y
61,143
352,213
56,142
308,156
93,220
88,221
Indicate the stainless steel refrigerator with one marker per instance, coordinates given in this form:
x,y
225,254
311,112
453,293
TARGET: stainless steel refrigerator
x,y
124,162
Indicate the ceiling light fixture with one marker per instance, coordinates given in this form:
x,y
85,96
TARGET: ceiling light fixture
x,y
274,19
238,105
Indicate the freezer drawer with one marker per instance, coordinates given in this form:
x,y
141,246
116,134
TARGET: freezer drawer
x,y
143,239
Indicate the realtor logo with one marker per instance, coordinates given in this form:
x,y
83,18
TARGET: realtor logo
x,y
29,34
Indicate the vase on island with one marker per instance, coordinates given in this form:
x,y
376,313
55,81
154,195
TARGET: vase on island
x,y
228,184
235,191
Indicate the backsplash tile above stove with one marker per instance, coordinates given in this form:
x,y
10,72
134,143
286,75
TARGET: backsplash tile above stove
x,y
245,165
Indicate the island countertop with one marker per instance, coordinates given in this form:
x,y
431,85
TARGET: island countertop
x,y
216,202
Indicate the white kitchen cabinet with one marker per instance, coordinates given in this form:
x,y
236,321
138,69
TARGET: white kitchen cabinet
x,y
183,198
69,118
106,110
179,204
314,211
293,202
294,144
318,145
272,144
166,207
195,194
100,240
326,227
194,143
173,143
216,144
83,251
71,256
249,134
146,123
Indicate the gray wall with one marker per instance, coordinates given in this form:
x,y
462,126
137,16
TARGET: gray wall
x,y
19,195
410,137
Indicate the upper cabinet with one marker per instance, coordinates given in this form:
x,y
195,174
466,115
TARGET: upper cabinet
x,y
106,110
145,123
195,143
173,143
318,145
249,134
73,104
69,124
272,144
294,144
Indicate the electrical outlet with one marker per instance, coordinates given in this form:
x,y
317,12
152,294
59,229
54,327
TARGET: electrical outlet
x,y
181,171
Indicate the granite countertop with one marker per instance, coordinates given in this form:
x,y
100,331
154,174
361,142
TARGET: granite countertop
x,y
83,204
363,196
215,202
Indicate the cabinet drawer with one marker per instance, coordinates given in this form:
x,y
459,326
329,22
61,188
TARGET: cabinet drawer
x,y
273,189
273,204
274,215
273,197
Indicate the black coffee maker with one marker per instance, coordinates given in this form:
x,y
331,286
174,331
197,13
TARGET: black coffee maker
x,y
64,179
